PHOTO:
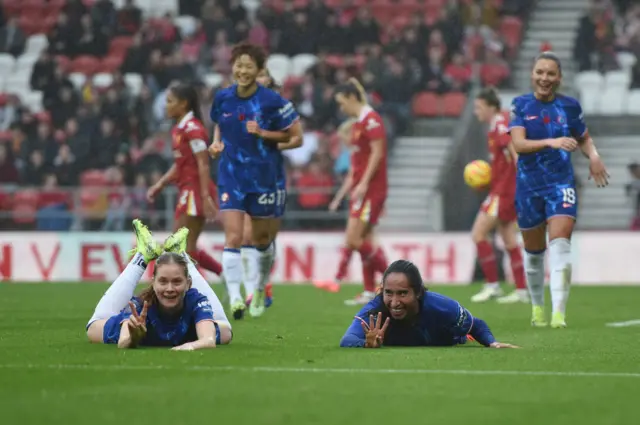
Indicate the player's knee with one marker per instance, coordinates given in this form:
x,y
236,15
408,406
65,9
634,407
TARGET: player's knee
x,y
559,253
534,261
94,332
353,242
478,236
233,240
226,334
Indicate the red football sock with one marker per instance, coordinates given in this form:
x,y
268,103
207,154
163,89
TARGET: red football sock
x,y
487,259
517,268
368,276
381,260
343,266
369,253
206,261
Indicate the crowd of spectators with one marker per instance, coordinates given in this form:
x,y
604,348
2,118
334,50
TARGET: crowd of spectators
x,y
397,48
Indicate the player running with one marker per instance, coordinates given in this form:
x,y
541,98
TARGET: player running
x,y
367,184
408,315
498,210
190,171
253,278
178,309
251,120
545,128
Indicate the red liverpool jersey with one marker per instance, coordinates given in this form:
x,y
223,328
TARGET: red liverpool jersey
x,y
503,167
368,128
189,137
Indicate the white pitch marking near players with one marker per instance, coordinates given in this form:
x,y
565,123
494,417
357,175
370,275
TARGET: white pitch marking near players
x,y
635,322
273,369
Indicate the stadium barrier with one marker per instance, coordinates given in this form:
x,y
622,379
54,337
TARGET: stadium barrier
x,y
599,257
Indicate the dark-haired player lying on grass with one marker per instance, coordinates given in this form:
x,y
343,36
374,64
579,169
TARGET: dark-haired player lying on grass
x,y
406,314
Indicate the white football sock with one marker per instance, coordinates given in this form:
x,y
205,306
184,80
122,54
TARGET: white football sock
x,y
560,273
232,269
534,267
251,268
267,257
199,283
121,290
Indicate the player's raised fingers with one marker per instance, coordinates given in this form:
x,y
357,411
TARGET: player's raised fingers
x,y
145,308
385,326
371,322
134,312
379,321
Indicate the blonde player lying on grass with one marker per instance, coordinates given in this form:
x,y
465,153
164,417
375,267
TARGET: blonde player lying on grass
x,y
178,309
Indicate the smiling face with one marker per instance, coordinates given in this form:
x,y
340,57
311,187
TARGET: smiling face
x,y
546,78
170,285
399,297
245,71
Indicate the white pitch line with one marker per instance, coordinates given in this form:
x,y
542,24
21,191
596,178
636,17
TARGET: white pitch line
x,y
624,324
352,371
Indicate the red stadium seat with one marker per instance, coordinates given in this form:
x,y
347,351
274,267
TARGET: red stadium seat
x,y
25,206
11,7
453,104
494,74
31,24
87,65
120,45
511,28
64,62
425,104
6,136
111,63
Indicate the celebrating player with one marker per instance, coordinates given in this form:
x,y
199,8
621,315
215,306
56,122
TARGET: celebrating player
x,y
178,309
498,209
253,279
190,171
406,314
253,124
545,128
367,184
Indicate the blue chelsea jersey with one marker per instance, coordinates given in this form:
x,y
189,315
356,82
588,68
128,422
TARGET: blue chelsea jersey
x,y
164,331
249,164
561,117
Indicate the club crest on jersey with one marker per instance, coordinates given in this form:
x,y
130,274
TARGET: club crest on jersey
x,y
372,123
224,197
560,120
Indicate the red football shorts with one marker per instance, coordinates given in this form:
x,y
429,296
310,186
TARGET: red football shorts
x,y
502,207
190,201
369,209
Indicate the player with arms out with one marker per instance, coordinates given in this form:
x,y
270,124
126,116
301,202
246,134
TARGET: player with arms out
x,y
545,128
367,185
405,314
178,309
251,124
498,210
190,171
254,279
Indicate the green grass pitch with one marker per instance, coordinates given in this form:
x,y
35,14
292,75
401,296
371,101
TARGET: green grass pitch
x,y
287,368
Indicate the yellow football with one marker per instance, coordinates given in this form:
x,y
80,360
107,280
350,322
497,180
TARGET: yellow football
x,y
477,174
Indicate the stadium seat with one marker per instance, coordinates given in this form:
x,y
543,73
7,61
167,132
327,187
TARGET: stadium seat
x,y
589,99
11,7
33,100
626,60
425,104
186,24
93,178
493,74
102,80
279,66
633,102
25,206
119,45
77,79
7,63
619,78
511,29
613,101
87,65
589,78
18,83
26,62
36,44
213,80
111,63
453,104
134,82
301,63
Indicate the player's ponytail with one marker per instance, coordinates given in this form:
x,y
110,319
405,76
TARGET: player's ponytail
x,y
188,93
353,88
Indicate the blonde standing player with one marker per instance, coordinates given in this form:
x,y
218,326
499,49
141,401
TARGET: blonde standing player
x,y
367,186
498,210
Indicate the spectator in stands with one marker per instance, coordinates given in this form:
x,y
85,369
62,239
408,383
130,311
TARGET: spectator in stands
x,y
12,38
65,166
129,18
298,37
633,193
91,40
8,170
117,199
594,43
364,30
136,59
75,10
43,72
396,87
214,20
333,35
105,146
33,173
104,16
458,73
8,112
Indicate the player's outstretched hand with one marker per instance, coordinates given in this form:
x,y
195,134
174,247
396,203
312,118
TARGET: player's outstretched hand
x,y
153,192
565,143
210,210
374,331
137,324
502,345
216,149
184,347
598,171
254,128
